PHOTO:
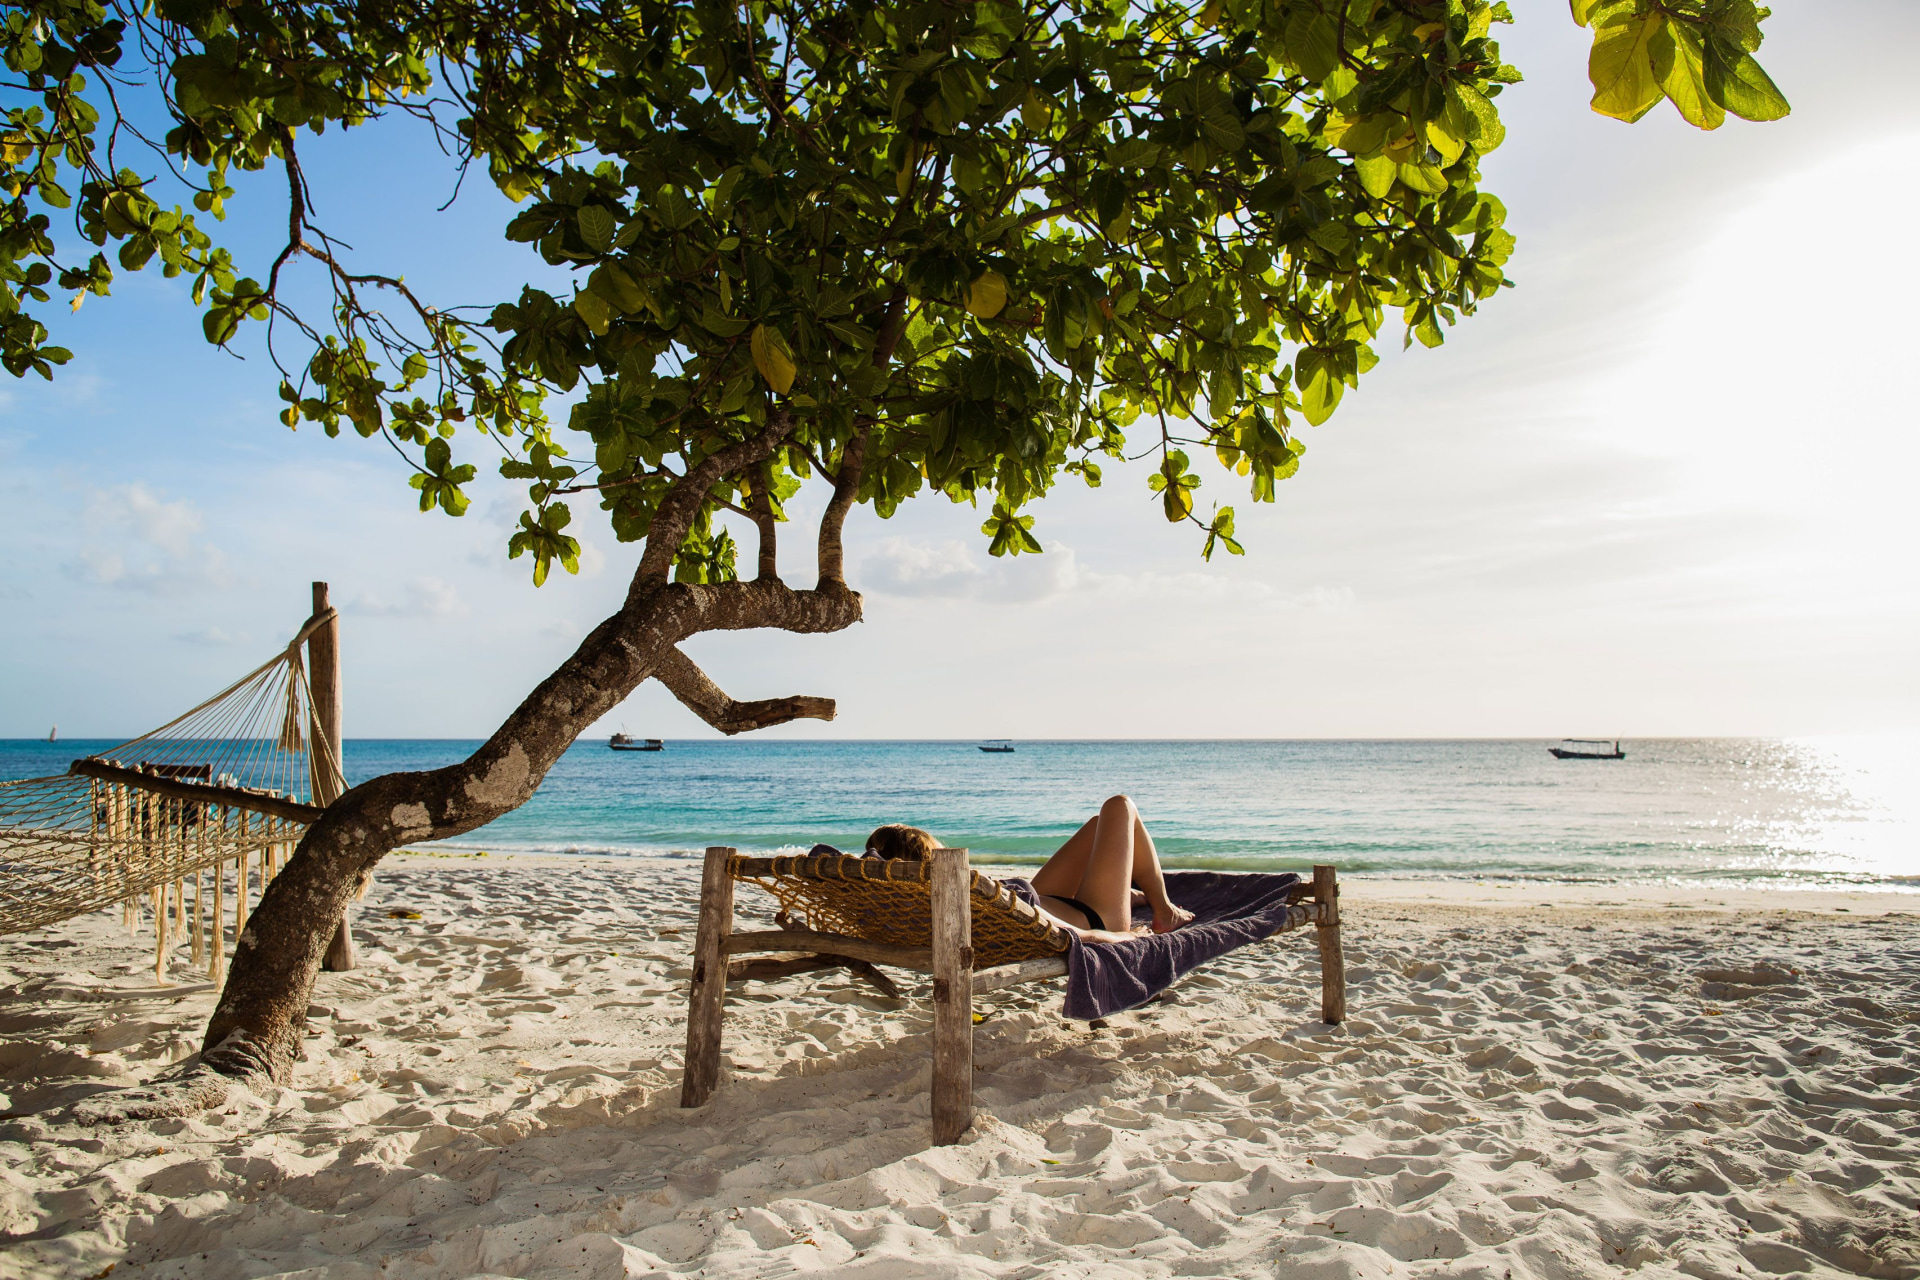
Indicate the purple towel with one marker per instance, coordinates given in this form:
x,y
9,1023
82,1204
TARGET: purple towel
x,y
1230,909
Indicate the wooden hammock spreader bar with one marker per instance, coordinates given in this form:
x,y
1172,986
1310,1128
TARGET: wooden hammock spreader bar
x,y
205,793
767,970
836,944
960,913
1012,975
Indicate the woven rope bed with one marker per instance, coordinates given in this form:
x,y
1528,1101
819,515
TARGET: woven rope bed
x,y
890,901
970,931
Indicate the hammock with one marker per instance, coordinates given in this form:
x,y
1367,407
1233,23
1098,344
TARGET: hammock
x,y
235,776
973,933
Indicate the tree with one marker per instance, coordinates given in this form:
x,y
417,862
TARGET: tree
x,y
965,248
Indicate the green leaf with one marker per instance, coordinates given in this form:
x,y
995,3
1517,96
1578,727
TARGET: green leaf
x,y
1313,42
596,227
987,295
1377,174
1424,178
593,309
1680,66
1220,532
773,358
1320,387
1621,68
717,322
1737,82
627,295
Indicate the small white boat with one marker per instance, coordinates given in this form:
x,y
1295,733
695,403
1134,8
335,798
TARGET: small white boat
x,y
623,742
1588,749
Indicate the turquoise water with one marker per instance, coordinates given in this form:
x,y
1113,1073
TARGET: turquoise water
x,y
1730,810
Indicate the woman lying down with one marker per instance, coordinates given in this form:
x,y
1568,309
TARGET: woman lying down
x,y
1092,882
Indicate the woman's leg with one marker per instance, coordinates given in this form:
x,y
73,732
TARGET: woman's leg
x,y
1063,872
1147,877
1102,862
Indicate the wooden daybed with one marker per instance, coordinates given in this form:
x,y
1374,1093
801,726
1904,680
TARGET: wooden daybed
x,y
940,917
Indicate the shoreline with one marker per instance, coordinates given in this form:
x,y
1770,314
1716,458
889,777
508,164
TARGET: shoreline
x,y
1488,890
1555,1091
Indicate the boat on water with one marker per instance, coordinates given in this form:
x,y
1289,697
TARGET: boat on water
x,y
1588,749
53,734
624,742
999,746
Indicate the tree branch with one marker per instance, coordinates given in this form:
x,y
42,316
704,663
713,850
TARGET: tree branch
x,y
296,211
762,499
846,482
711,703
677,509
846,488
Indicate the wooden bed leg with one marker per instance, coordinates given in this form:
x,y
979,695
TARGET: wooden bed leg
x,y
706,1005
952,996
1333,966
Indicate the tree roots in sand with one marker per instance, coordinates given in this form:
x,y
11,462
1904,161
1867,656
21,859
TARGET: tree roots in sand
x,y
197,1084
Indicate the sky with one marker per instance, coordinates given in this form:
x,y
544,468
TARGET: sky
x,y
1661,488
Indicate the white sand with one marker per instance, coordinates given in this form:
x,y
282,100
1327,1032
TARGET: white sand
x,y
1723,1087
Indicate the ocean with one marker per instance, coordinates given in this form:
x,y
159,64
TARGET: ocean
x,y
1737,812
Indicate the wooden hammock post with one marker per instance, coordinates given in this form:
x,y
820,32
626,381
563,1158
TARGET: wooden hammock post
x,y
706,1007
1333,965
199,887
117,836
93,840
160,934
240,885
952,995
325,754
217,949
179,868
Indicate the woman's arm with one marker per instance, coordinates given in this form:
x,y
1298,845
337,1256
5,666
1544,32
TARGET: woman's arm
x,y
1092,935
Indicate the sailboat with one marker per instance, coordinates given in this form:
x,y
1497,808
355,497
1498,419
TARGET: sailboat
x,y
53,734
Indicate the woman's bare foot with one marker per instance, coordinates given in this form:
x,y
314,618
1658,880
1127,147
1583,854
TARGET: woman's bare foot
x,y
1168,917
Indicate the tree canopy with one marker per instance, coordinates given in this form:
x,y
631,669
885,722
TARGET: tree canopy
x,y
970,246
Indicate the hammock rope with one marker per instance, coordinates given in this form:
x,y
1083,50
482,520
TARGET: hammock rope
x,y
224,784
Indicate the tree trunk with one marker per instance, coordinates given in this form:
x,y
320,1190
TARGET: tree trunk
x,y
256,1031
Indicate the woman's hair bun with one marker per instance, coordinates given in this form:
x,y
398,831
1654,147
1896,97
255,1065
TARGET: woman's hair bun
x,y
897,840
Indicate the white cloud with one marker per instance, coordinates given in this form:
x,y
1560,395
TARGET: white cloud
x,y
168,526
953,570
142,542
903,567
593,561
421,598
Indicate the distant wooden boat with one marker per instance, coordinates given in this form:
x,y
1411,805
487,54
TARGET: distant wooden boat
x,y
998,747
1588,749
622,742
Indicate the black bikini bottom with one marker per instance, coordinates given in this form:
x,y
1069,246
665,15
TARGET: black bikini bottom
x,y
1093,917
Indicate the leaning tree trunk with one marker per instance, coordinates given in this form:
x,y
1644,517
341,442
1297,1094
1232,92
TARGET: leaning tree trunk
x,y
256,1030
